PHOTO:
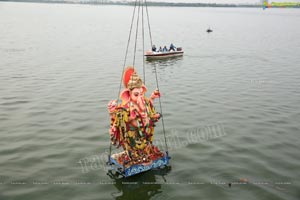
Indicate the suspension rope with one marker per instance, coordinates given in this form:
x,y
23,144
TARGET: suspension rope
x,y
161,111
134,55
128,42
143,35
136,33
124,64
159,99
148,23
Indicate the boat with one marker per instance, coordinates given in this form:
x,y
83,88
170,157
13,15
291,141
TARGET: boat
x,y
166,54
209,30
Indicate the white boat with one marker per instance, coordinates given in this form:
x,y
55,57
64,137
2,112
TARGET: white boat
x,y
165,54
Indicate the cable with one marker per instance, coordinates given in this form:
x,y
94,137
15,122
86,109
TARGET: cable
x,y
161,111
129,37
143,35
128,42
162,116
134,56
136,33
148,23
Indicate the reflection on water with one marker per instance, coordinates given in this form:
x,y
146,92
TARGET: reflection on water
x,y
142,186
164,61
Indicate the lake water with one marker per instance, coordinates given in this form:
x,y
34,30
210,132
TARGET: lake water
x,y
231,104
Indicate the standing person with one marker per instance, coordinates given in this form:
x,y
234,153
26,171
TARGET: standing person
x,y
172,47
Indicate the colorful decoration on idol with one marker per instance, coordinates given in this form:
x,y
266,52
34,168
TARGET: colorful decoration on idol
x,y
133,121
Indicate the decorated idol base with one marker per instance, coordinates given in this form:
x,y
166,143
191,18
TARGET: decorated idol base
x,y
131,170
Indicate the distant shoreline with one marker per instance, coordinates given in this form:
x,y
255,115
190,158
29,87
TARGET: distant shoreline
x,y
157,4
161,4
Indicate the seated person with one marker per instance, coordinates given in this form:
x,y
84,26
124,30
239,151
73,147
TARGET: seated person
x,y
165,49
154,48
160,49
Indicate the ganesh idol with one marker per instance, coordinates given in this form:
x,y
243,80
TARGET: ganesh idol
x,y
132,121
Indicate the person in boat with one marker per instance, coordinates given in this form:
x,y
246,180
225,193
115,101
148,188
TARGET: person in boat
x,y
165,49
160,49
154,48
172,47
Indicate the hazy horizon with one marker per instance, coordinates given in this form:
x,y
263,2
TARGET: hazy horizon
x,y
183,1
206,1
197,1
216,1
